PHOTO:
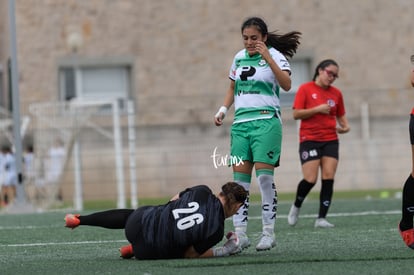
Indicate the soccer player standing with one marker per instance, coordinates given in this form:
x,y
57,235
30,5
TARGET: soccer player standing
x,y
188,226
256,75
406,224
320,107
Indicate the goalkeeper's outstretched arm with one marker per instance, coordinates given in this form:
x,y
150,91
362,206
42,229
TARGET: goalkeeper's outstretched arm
x,y
231,247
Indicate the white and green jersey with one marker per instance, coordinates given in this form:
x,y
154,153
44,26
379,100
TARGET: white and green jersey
x,y
256,90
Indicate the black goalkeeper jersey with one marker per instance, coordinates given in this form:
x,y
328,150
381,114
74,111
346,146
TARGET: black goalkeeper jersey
x,y
167,231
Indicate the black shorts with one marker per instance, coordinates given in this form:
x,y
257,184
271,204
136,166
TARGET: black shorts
x,y
134,234
412,129
311,150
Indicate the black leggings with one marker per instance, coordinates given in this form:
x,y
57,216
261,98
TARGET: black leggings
x,y
112,219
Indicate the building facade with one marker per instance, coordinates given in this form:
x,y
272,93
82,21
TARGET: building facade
x,y
171,58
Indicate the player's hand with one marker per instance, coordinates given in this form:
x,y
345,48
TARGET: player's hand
x,y
342,130
262,49
231,247
218,119
219,116
232,244
324,109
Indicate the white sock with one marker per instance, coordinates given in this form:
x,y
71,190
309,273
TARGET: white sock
x,y
269,201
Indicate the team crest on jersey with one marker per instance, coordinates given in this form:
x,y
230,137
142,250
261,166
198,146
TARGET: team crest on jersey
x,y
331,102
314,96
270,154
262,63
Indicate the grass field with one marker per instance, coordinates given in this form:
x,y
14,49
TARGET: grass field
x,y
364,241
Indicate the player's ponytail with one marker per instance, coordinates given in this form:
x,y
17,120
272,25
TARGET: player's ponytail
x,y
287,43
233,192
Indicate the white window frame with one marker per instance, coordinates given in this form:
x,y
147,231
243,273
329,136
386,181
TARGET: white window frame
x,y
118,73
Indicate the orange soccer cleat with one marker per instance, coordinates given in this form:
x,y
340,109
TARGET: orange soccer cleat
x,y
72,220
126,251
407,236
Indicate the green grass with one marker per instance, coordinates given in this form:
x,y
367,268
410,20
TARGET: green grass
x,y
364,241
254,198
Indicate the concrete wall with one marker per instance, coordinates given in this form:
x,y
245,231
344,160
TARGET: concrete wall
x,y
182,50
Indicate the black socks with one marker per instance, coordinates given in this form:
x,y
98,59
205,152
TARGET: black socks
x,y
407,204
325,197
112,219
303,190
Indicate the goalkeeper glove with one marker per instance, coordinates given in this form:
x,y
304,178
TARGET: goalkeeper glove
x,y
232,246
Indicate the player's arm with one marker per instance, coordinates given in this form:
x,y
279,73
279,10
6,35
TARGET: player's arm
x,y
232,246
343,125
211,252
192,253
228,101
412,78
282,76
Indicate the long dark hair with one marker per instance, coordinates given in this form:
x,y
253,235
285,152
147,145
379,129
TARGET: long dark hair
x,y
287,43
322,65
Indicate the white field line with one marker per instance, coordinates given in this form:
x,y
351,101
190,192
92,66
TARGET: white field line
x,y
351,214
364,213
64,243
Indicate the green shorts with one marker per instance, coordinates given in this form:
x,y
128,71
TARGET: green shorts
x,y
257,141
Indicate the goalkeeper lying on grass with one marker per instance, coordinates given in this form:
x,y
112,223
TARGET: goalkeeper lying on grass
x,y
188,226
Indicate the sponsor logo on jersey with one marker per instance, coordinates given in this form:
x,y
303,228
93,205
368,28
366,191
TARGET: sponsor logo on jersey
x,y
248,92
247,71
285,64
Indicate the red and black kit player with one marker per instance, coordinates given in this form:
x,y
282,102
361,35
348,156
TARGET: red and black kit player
x,y
406,224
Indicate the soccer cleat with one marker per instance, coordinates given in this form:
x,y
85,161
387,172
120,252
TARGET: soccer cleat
x,y
72,220
323,223
126,251
293,215
407,236
243,240
267,241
